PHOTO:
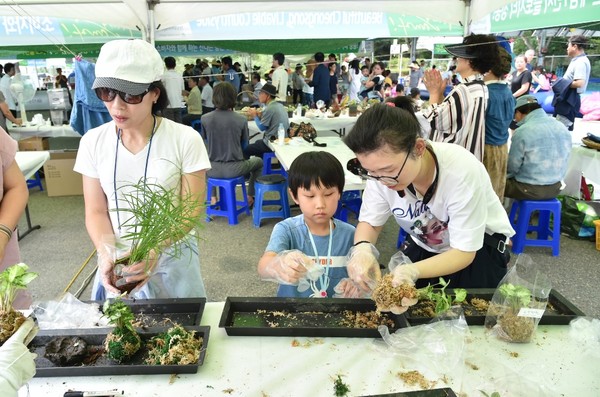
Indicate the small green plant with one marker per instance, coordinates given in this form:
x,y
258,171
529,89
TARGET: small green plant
x,y
437,294
494,394
516,296
12,279
340,389
123,341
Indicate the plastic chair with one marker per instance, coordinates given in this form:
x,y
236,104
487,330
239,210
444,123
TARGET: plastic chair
x,y
520,215
350,202
35,181
197,125
270,183
228,205
268,165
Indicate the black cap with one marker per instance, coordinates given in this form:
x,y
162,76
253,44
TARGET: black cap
x,y
269,89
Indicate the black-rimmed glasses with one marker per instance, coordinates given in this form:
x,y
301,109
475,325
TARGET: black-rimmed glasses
x,y
108,95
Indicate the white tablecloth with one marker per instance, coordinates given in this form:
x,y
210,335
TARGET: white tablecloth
x,y
30,162
43,131
583,160
341,124
287,153
273,366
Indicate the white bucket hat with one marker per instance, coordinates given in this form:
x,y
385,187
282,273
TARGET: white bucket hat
x,y
129,66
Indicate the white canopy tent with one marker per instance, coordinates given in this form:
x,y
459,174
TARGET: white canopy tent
x,y
151,15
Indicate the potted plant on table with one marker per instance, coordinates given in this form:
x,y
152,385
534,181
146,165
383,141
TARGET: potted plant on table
x,y
513,326
353,108
290,110
158,218
12,279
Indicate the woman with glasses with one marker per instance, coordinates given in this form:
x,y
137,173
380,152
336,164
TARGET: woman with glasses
x,y
439,193
138,146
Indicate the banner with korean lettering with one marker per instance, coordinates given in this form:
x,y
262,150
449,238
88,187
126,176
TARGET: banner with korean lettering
x,y
30,30
537,14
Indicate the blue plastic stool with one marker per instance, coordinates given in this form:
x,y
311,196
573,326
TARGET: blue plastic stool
x,y
36,181
227,205
351,201
268,165
401,238
197,125
520,214
270,183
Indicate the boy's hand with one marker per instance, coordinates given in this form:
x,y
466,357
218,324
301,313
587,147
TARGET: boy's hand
x,y
288,267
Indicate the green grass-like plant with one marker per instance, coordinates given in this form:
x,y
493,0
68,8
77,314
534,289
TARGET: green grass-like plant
x,y
158,217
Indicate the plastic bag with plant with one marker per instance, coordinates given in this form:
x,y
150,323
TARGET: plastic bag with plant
x,y
12,279
519,302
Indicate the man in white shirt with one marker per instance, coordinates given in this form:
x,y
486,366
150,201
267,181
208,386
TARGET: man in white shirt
x,y
280,77
9,70
175,88
207,94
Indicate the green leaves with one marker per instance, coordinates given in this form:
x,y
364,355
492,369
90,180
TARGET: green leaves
x,y
442,300
12,279
118,314
516,296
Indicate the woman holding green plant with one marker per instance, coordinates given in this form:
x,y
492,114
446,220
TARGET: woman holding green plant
x,y
143,181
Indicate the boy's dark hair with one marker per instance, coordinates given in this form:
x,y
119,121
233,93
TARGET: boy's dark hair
x,y
319,57
315,169
399,87
256,76
205,78
163,100
279,57
381,125
195,79
414,92
526,109
170,63
224,96
332,55
364,67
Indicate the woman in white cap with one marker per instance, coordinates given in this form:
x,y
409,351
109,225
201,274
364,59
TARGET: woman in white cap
x,y
139,146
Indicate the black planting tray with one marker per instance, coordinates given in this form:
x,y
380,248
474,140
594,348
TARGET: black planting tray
x,y
303,317
104,366
161,312
559,311
445,392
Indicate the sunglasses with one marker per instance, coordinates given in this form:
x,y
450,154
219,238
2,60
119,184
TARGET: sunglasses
x,y
108,95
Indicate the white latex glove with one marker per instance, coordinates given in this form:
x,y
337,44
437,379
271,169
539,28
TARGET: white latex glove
x,y
16,361
288,267
347,288
105,267
405,274
363,266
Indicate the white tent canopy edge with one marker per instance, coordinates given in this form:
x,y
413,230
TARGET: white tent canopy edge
x,y
148,16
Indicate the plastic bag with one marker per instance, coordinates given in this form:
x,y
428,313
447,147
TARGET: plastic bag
x,y
68,312
585,331
578,216
519,302
440,344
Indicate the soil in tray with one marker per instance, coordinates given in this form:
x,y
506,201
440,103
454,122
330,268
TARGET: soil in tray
x,y
285,319
95,354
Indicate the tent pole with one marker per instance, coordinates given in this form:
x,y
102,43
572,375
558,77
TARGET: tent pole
x,y
467,17
151,23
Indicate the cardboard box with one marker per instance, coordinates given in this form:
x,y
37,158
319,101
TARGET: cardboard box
x,y
34,143
61,180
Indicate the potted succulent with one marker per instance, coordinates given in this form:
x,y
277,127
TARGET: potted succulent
x,y
12,279
123,341
304,110
290,110
158,217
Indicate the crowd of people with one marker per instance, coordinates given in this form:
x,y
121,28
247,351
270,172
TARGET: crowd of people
x,y
441,173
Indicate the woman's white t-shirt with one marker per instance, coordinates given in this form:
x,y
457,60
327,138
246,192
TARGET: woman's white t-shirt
x,y
463,207
176,149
